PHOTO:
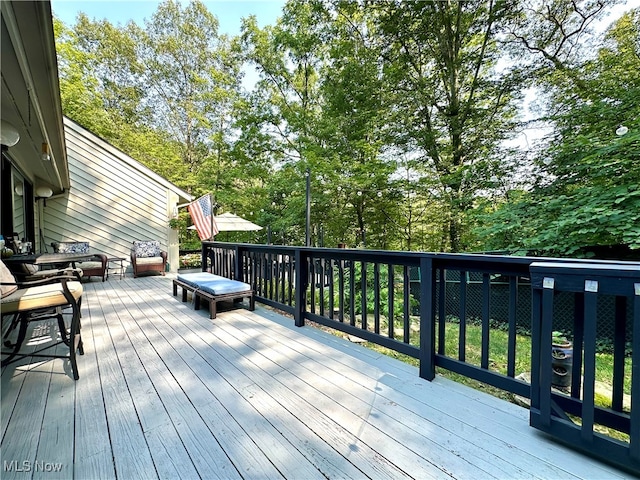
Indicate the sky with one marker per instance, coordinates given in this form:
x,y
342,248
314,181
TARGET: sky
x,y
229,12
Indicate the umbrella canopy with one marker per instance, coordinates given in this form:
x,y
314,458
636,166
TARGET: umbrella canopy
x,y
228,222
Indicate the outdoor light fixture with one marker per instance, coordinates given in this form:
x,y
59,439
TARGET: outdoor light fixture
x,y
622,130
19,189
43,192
9,134
45,152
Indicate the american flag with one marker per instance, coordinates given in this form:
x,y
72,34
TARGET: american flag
x,y
202,217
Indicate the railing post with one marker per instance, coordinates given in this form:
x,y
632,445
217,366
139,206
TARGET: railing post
x,y
204,257
302,279
427,319
237,271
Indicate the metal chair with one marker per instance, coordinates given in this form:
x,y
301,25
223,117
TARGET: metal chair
x,y
44,299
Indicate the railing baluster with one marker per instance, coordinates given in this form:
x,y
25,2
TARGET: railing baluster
x,y
578,344
376,297
588,397
331,292
442,300
291,270
511,340
462,315
406,289
352,293
390,297
620,335
341,291
634,430
486,298
322,285
312,285
276,275
363,295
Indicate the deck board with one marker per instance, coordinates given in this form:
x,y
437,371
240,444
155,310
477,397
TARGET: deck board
x,y
166,392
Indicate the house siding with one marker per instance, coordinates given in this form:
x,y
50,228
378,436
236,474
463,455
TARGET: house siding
x,y
113,200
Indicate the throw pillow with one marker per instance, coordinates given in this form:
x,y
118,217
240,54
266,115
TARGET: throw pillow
x,y
71,247
6,277
146,248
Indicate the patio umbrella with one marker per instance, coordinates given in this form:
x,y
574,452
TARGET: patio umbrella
x,y
229,222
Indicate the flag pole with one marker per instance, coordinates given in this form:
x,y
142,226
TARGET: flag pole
x,y
211,203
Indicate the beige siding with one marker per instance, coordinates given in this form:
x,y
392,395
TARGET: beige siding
x,y
113,199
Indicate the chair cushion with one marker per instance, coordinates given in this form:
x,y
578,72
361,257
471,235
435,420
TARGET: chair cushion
x,y
89,265
194,279
146,248
213,284
149,261
40,274
27,268
223,287
71,247
6,277
42,296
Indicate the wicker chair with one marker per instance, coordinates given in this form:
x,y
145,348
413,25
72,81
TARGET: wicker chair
x,y
96,267
146,257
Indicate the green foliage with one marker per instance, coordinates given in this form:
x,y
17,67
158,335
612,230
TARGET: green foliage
x,y
398,110
191,260
588,192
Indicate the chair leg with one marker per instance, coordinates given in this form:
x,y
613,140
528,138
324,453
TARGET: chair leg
x,y
22,332
80,344
63,328
12,326
76,345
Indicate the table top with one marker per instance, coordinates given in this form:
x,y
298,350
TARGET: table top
x,y
47,258
116,259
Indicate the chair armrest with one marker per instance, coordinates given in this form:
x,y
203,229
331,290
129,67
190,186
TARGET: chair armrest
x,y
63,278
163,254
102,258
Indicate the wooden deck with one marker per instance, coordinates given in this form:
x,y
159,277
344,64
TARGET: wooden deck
x,y
165,392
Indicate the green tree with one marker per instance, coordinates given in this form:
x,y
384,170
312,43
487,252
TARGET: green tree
x,y
452,105
191,75
100,89
587,191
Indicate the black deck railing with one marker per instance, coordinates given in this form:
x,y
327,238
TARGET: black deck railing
x,y
419,304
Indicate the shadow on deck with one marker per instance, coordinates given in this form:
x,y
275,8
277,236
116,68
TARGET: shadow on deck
x,y
165,392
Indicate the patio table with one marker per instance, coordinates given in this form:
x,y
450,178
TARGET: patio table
x,y
54,259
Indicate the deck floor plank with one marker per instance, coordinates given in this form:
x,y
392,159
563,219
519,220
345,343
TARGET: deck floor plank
x,y
484,449
480,414
379,421
30,407
322,457
349,411
212,461
93,450
227,405
131,453
221,415
55,446
166,392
